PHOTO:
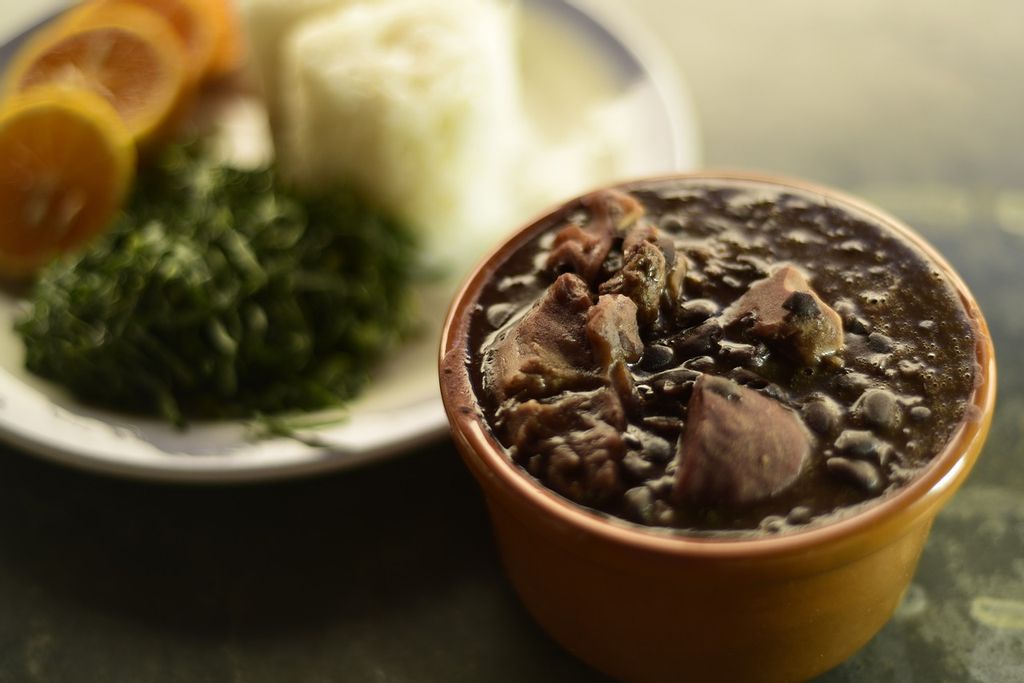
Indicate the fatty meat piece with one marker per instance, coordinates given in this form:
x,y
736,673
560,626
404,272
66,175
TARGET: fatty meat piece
x,y
613,332
738,446
583,248
544,353
784,310
574,443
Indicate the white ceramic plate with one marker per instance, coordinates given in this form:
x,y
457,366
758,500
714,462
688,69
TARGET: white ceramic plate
x,y
562,41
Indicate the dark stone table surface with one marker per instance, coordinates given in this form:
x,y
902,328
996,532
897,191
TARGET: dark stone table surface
x,y
388,573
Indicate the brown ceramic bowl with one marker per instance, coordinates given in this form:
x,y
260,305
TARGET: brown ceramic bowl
x,y
647,606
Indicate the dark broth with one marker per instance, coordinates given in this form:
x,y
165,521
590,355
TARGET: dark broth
x,y
907,341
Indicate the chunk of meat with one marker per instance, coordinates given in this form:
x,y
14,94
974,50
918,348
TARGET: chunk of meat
x,y
545,351
738,446
642,278
580,249
584,248
621,381
613,331
675,263
620,209
573,443
643,231
783,310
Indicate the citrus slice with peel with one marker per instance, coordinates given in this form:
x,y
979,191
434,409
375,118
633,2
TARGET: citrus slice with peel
x,y
66,162
229,48
190,20
131,58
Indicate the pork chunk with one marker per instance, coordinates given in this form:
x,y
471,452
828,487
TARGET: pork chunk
x,y
546,350
613,332
785,311
738,446
642,279
574,442
583,248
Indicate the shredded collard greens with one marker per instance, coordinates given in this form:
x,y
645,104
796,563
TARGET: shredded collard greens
x,y
219,294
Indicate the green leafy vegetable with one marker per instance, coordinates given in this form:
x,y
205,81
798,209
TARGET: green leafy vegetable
x,y
219,294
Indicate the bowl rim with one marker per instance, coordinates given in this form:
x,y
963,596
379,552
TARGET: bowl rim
x,y
928,489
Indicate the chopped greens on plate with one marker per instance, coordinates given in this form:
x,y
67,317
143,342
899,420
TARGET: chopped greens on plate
x,y
221,294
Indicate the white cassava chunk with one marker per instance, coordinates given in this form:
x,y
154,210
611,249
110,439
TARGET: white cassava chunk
x,y
266,24
415,102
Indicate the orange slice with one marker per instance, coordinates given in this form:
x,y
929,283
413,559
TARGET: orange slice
x,y
66,162
229,48
132,59
191,23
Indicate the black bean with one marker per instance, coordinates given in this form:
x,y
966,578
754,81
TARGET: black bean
x,y
879,408
858,325
860,472
662,486
880,343
754,264
656,357
636,467
677,375
852,320
700,364
740,354
861,444
639,504
671,223
671,384
773,524
698,341
822,415
663,423
801,514
857,442
696,310
732,281
920,413
747,378
632,441
656,449
833,362
663,513
909,368
852,384
695,282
